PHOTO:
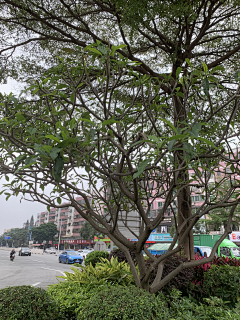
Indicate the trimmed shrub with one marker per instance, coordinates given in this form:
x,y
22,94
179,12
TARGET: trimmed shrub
x,y
124,303
223,282
213,308
95,257
27,303
117,253
70,296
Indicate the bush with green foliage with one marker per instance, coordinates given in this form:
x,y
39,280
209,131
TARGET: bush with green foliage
x,y
70,296
223,282
95,257
213,308
124,303
105,271
27,303
80,285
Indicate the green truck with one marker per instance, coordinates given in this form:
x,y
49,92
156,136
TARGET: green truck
x,y
226,248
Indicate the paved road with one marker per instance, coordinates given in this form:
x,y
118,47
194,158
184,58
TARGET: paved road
x,y
36,270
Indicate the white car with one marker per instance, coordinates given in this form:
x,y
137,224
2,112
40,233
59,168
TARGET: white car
x,y
84,252
51,250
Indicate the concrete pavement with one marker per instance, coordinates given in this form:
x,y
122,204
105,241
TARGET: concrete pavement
x,y
36,270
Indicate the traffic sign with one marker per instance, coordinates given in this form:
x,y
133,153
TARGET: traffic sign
x,y
7,238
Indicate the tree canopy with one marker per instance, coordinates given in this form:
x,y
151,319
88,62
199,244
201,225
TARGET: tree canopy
x,y
130,101
46,231
87,232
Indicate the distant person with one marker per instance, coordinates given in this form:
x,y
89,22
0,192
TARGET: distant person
x,y
12,252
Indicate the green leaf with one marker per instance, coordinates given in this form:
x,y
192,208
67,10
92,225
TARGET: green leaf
x,y
86,120
171,144
179,70
27,166
20,117
109,121
208,142
68,50
58,167
206,86
190,115
47,148
67,142
15,100
72,97
54,152
205,68
169,124
220,68
180,94
73,123
50,136
196,128
32,130
95,51
142,166
237,75
188,62
61,86
59,200
102,48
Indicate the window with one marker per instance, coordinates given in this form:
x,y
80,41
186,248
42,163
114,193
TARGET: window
x,y
192,198
225,251
160,204
219,174
197,198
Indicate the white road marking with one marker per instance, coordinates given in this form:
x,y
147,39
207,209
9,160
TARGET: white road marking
x,y
35,284
39,261
63,273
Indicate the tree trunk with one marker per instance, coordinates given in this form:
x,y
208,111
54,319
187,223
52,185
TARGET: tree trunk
x,y
185,212
184,197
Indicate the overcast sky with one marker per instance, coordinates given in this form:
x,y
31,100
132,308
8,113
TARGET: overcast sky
x,y
13,213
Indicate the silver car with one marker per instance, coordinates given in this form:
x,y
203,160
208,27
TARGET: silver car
x,y
50,250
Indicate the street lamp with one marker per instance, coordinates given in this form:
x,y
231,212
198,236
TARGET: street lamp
x,y
59,238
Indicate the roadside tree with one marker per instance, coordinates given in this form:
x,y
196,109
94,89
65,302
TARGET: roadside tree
x,y
134,118
46,231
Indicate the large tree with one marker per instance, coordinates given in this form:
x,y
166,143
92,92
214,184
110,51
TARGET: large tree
x,y
46,231
137,117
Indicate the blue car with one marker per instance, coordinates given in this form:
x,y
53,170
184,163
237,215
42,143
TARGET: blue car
x,y
70,257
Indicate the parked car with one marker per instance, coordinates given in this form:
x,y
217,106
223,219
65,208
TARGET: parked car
x,y
24,252
203,251
70,257
84,252
51,250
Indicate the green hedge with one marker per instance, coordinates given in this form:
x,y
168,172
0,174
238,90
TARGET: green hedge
x,y
223,282
124,303
27,303
95,257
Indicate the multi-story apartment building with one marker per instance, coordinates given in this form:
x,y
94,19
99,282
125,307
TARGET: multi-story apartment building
x,y
67,220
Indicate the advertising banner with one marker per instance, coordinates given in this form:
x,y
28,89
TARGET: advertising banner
x,y
234,236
